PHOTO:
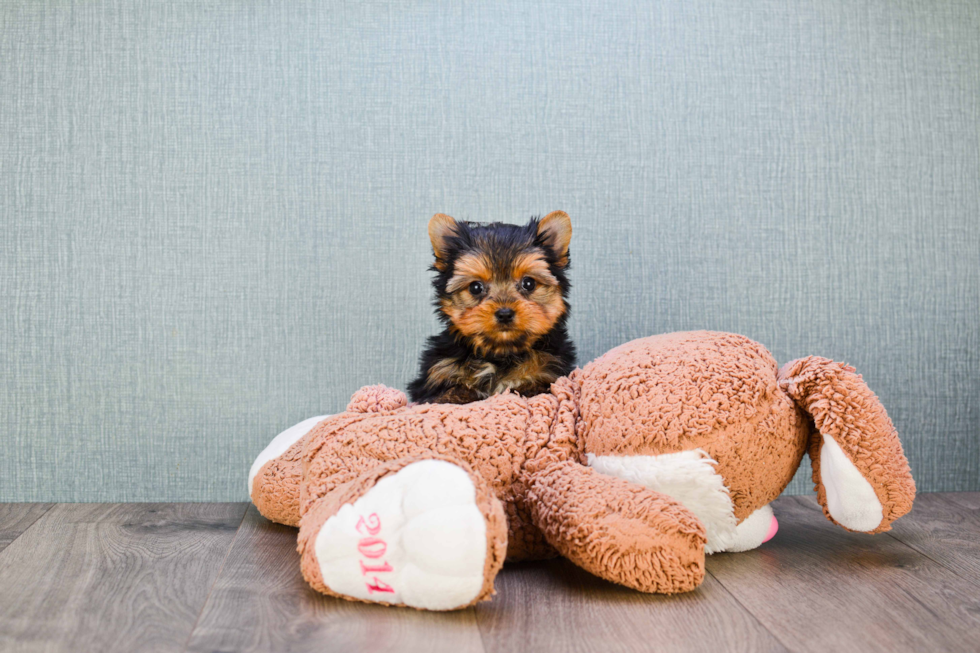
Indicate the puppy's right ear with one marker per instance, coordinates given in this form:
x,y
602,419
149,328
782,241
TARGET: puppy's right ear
x,y
441,229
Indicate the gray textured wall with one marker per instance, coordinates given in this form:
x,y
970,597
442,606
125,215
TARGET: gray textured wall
x,y
213,214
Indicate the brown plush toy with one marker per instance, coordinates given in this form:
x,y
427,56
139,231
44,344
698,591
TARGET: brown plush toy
x,y
662,450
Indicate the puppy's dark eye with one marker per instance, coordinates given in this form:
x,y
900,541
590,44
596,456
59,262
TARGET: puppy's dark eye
x,y
476,288
528,284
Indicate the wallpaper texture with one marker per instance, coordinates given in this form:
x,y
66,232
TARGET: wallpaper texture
x,y
213,214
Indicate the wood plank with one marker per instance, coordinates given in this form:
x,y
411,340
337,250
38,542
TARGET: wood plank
x,y
818,587
261,603
555,606
945,531
15,518
112,577
968,500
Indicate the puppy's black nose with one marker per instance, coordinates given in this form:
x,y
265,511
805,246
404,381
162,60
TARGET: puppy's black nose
x,y
505,315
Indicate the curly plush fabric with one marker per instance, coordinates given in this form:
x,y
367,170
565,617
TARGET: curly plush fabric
x,y
281,476
276,488
668,393
376,399
619,530
697,390
702,428
497,437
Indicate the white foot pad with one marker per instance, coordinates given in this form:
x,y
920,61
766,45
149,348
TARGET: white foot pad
x,y
416,537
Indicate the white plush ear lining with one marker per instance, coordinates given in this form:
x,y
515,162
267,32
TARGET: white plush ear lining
x,y
851,500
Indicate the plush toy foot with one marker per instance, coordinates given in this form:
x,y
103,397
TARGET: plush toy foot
x,y
754,531
273,480
426,534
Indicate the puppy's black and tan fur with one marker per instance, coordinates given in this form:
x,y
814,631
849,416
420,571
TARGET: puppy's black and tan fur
x,y
501,292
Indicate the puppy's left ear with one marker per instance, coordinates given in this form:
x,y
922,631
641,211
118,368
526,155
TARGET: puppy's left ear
x,y
555,229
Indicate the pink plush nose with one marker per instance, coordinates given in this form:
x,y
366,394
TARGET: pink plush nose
x,y
773,527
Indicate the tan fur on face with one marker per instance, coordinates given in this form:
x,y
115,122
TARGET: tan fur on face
x,y
535,266
467,269
474,316
531,321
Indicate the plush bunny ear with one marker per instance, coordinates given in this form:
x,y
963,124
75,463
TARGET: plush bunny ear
x,y
441,229
555,229
860,472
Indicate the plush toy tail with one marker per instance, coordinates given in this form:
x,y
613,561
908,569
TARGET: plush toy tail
x,y
860,472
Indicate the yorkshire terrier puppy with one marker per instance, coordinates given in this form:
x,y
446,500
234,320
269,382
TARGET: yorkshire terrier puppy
x,y
501,292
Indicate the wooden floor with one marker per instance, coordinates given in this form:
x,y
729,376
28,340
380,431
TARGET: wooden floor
x,y
218,577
